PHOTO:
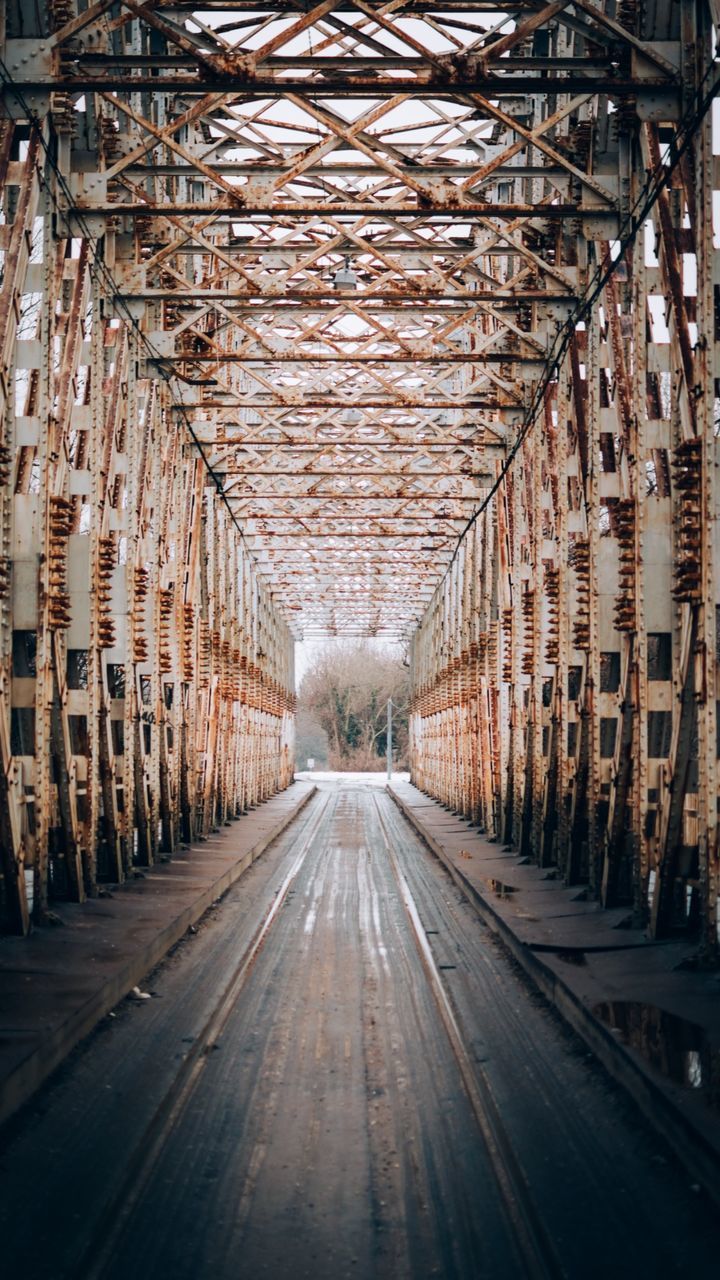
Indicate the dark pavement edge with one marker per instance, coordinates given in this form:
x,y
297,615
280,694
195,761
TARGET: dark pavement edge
x,y
691,1144
26,1078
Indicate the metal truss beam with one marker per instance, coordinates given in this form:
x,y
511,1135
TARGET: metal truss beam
x,y
334,282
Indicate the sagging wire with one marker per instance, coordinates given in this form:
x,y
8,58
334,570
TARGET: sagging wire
x,y
605,269
97,265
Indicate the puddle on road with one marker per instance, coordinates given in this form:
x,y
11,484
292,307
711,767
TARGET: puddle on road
x,y
678,1049
499,889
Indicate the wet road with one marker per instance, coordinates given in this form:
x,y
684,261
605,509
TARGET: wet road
x,y
342,1074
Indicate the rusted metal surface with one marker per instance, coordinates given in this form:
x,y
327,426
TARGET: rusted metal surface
x,y
565,674
286,295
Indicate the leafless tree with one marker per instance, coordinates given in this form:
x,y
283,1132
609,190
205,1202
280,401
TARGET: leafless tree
x,y
347,689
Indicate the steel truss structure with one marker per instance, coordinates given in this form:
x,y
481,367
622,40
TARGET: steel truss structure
x,y
389,319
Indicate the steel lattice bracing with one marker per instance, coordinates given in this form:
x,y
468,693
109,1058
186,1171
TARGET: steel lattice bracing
x,y
350,236
339,273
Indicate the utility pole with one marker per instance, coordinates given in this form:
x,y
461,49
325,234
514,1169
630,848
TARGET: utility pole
x,y
389,739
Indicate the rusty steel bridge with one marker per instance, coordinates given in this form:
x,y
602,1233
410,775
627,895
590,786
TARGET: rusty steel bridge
x,y
373,319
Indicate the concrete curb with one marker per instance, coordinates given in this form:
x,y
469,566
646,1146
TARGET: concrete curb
x,y
700,1157
40,1063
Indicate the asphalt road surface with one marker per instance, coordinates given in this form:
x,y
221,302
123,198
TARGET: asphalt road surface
x,y
342,1074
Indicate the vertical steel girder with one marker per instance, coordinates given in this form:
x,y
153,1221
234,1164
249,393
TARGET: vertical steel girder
x,y
308,327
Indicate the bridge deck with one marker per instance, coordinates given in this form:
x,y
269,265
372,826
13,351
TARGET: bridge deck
x,y
342,1074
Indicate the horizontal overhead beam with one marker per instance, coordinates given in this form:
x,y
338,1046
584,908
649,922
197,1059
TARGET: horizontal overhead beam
x,y
311,473
290,6
449,207
315,542
352,358
337,244
358,497
427,85
250,451
297,301
360,559
308,501
409,548
340,572
266,169
313,400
